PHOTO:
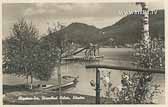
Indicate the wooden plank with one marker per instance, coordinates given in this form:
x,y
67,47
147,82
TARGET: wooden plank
x,y
160,71
97,86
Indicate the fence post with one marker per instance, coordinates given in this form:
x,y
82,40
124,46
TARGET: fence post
x,y
97,86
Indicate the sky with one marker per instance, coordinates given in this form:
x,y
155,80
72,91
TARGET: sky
x,y
43,15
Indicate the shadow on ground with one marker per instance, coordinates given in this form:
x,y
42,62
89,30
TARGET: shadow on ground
x,y
13,88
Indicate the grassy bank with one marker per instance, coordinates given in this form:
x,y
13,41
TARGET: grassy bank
x,y
19,95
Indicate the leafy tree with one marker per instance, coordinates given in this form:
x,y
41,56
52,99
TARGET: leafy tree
x,y
148,57
27,55
151,57
19,56
58,46
45,61
139,88
134,90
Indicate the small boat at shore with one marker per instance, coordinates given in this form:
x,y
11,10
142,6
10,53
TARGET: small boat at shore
x,y
67,82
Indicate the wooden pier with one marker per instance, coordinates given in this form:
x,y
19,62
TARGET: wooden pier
x,y
83,58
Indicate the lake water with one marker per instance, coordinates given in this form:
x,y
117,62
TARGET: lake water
x,y
112,56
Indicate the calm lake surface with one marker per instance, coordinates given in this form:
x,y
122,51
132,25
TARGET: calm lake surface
x,y
112,56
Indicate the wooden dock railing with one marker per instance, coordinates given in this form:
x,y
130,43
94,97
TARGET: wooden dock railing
x,y
97,66
160,71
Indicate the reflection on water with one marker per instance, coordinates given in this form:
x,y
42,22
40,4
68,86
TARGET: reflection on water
x,y
120,57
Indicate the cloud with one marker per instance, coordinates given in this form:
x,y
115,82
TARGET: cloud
x,y
156,5
36,9
40,5
64,9
97,14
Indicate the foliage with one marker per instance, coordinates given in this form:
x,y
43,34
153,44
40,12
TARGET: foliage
x,y
83,34
24,54
45,61
20,48
58,39
139,88
27,55
151,57
128,29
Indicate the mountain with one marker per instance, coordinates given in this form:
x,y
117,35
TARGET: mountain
x,y
125,31
128,29
82,33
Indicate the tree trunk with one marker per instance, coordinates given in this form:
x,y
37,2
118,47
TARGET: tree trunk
x,y
27,81
59,82
31,82
27,78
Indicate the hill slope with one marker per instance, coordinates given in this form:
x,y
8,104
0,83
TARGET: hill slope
x,y
125,31
82,33
128,29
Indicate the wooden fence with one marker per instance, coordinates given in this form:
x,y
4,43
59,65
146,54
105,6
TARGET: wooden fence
x,y
97,66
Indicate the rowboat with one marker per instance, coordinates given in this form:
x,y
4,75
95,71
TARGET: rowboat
x,y
67,82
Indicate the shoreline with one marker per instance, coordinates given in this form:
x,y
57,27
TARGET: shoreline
x,y
36,98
